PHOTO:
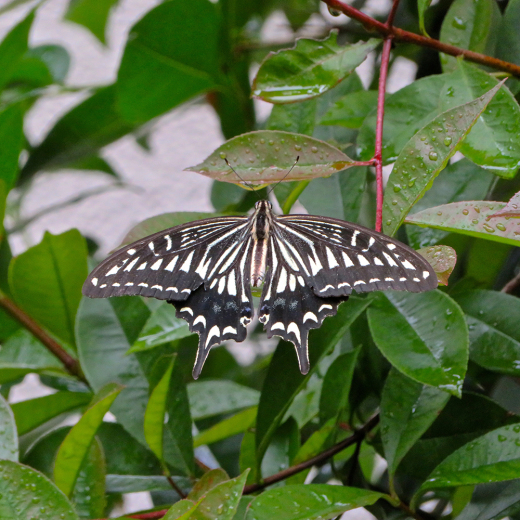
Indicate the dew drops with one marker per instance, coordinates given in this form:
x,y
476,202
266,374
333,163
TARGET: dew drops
x,y
397,188
433,156
502,438
222,155
262,141
333,12
314,149
411,184
447,141
271,142
423,138
474,221
488,228
394,203
388,222
501,226
297,147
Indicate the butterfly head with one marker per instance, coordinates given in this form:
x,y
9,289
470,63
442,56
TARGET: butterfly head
x,y
264,205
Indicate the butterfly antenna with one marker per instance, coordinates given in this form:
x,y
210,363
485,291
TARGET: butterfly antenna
x,y
248,184
281,180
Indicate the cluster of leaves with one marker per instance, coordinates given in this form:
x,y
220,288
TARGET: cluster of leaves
x,y
429,381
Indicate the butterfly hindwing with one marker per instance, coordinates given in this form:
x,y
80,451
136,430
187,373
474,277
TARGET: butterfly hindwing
x,y
221,310
168,265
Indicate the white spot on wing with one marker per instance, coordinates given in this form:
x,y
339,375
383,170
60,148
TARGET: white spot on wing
x,y
131,264
301,281
229,330
142,284
282,281
142,266
325,306
131,251
354,238
94,281
278,326
200,319
187,263
408,265
168,242
114,270
157,264
310,316
331,259
160,287
347,260
326,288
359,282
292,282
187,309
214,331
129,284
377,261
232,285
389,259
390,246
425,274
295,330
362,260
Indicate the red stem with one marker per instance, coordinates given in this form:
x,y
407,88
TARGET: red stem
x,y
378,155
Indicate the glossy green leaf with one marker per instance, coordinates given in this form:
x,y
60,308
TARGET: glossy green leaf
x,y
104,362
164,221
299,118
171,56
422,6
247,458
425,155
494,457
52,272
336,386
162,327
494,335
219,503
155,411
88,495
339,196
92,14
423,335
45,501
284,381
75,447
470,24
80,133
407,410
213,397
13,47
351,110
309,502
8,434
470,218
283,447
308,70
233,425
442,259
508,45
140,483
56,59
266,156
34,412
11,134
459,181
511,209
208,481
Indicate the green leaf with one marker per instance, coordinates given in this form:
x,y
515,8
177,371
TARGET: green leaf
x,y
233,425
309,502
511,209
56,59
422,6
459,181
266,156
155,412
308,70
471,25
407,410
339,196
219,503
284,381
442,259
494,457
80,133
351,110
299,118
171,56
423,335
163,221
8,435
283,447
428,152
215,397
52,272
88,495
121,320
470,218
46,502
35,412
140,483
208,481
11,135
336,386
13,47
493,319
508,45
92,14
162,327
76,445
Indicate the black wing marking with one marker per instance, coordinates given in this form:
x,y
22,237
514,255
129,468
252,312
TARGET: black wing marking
x,y
221,310
336,257
169,265
289,308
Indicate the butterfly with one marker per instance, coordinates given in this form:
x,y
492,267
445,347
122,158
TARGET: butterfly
x,y
308,265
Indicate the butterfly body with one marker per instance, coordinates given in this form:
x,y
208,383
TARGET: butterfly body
x,y
308,265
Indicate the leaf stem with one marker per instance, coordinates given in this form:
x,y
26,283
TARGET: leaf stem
x,y
71,364
402,36
509,287
175,487
293,196
318,459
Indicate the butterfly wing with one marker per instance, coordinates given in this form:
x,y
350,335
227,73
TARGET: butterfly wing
x,y
202,268
317,262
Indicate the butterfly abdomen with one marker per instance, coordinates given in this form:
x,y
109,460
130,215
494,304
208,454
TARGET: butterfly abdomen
x,y
261,227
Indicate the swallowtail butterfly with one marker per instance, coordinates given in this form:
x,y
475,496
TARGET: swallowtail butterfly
x,y
308,265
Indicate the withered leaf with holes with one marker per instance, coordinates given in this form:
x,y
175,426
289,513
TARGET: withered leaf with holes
x,y
308,264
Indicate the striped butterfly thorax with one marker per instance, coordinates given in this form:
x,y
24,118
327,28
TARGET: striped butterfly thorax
x,y
308,265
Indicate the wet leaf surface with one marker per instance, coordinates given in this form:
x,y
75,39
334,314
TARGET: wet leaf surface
x,y
308,70
266,156
442,259
511,209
